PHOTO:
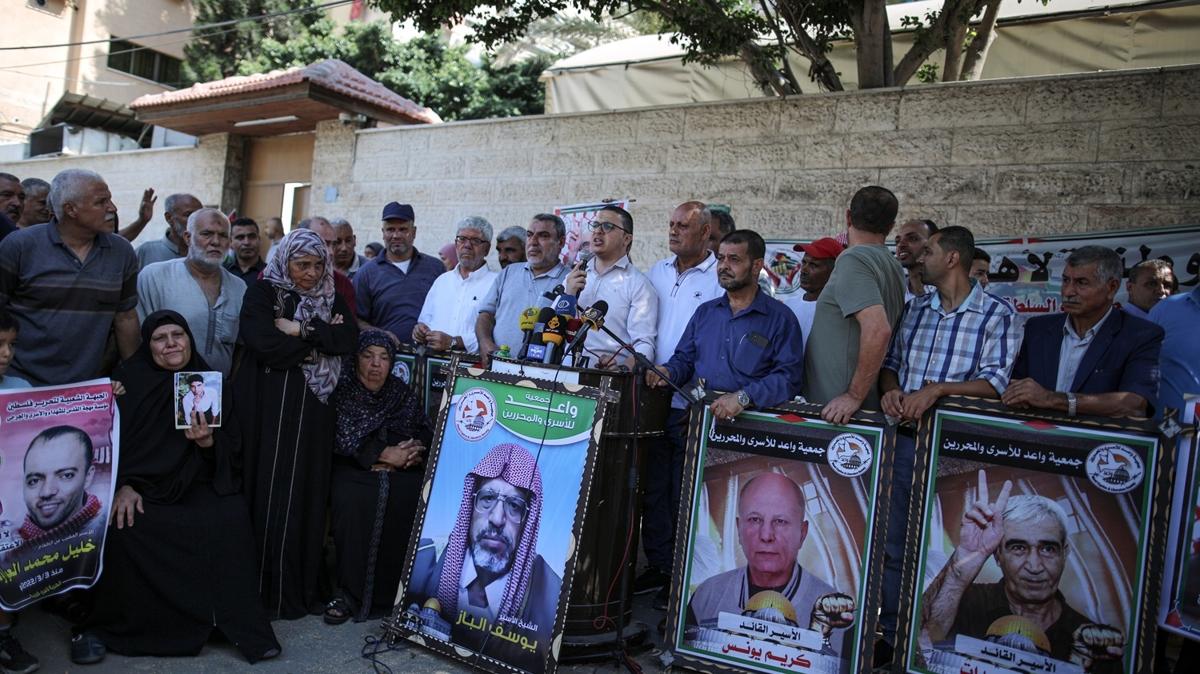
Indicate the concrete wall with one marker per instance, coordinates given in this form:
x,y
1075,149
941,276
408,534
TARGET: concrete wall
x,y
200,170
1012,157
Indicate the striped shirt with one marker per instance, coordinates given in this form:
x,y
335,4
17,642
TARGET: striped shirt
x,y
978,340
64,307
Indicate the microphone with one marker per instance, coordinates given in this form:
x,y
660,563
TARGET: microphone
x,y
537,348
593,319
555,332
528,321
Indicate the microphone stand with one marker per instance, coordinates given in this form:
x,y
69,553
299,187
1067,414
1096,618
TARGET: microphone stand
x,y
645,362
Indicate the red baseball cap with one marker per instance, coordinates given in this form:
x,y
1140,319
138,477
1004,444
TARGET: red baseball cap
x,y
821,249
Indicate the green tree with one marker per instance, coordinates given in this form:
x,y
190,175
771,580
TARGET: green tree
x,y
760,32
216,53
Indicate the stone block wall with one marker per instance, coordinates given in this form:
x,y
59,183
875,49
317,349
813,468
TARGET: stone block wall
x,y
1006,158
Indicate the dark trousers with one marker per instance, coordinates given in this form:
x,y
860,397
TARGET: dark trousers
x,y
662,479
897,530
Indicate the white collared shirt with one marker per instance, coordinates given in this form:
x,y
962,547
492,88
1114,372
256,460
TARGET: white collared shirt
x,y
632,308
1072,350
452,305
494,590
678,297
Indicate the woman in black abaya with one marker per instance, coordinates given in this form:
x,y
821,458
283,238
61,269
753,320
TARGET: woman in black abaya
x,y
178,561
382,433
296,329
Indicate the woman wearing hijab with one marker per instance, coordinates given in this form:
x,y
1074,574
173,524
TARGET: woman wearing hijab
x,y
379,446
296,328
178,558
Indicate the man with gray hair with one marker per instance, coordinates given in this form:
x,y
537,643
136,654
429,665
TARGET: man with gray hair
x,y
199,288
69,283
451,308
510,246
1150,281
345,259
1026,534
1088,359
177,209
37,203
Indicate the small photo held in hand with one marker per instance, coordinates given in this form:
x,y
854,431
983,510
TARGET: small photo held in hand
x,y
197,392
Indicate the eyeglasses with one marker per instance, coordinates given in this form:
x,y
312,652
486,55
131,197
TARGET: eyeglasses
x,y
514,508
469,239
606,226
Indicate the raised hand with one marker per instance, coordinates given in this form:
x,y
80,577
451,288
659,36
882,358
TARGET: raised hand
x,y
983,523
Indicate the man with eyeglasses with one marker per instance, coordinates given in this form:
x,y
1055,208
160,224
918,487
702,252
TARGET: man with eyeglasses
x,y
390,290
447,319
1026,535
611,276
522,285
490,569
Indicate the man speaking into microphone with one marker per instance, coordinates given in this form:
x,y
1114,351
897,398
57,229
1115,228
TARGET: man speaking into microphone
x,y
632,303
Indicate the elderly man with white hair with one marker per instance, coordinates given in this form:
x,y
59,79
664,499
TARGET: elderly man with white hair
x,y
199,288
69,283
447,319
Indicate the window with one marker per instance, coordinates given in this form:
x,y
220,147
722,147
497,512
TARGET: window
x,y
148,64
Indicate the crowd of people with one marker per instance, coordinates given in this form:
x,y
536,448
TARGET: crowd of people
x,y
316,428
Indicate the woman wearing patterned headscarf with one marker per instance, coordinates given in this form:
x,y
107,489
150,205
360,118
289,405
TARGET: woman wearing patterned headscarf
x,y
379,448
296,329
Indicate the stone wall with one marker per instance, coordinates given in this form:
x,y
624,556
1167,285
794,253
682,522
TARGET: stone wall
x,y
1013,157
200,170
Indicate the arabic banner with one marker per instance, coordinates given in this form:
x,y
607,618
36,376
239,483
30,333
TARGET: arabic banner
x,y
1028,271
435,370
1039,541
489,568
578,218
1179,609
58,456
779,570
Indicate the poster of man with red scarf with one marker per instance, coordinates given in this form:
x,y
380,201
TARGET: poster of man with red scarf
x,y
490,564
58,456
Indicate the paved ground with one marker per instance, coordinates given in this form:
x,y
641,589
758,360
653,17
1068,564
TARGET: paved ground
x,y
309,645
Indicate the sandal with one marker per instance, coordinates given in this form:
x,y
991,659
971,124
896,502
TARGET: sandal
x,y
337,612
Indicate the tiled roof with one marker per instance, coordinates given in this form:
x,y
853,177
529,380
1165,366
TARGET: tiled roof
x,y
331,74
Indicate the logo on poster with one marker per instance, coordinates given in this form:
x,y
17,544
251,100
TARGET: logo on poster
x,y
476,414
849,454
400,371
1114,468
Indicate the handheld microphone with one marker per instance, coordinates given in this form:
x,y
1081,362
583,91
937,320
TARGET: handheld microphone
x,y
552,337
528,321
537,347
593,319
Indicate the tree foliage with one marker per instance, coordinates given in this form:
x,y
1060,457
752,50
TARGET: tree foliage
x,y
216,53
761,32
425,69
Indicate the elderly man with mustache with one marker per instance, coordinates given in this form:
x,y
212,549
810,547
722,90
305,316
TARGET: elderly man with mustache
x,y
74,278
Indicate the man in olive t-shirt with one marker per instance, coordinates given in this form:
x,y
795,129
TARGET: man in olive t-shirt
x,y
856,312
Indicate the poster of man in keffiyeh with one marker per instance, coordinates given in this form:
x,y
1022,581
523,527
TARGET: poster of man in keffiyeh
x,y
489,571
58,456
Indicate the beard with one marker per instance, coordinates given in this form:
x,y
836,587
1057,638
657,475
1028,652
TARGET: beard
x,y
497,562
198,257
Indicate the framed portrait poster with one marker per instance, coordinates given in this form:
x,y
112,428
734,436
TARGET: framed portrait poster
x,y
490,563
779,547
1179,609
1036,543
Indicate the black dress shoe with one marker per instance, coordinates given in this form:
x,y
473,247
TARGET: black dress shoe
x,y
651,580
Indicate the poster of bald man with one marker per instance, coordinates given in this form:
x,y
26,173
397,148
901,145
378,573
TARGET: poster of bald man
x,y
492,554
1040,543
777,555
58,456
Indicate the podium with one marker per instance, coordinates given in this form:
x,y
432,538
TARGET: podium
x,y
599,618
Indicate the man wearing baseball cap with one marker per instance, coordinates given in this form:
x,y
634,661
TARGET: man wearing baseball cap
x,y
815,268
391,289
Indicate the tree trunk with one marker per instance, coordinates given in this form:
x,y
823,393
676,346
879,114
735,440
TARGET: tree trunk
x,y
972,66
821,71
954,50
869,20
769,79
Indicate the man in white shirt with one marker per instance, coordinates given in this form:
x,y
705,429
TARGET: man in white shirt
x,y
910,241
683,281
200,400
815,269
632,302
447,319
206,294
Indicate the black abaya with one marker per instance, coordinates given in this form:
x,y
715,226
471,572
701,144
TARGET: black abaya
x,y
184,568
287,467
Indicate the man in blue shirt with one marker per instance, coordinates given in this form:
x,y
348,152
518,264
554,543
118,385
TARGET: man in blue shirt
x,y
390,290
1179,359
743,342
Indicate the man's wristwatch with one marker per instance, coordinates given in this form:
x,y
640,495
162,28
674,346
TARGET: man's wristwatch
x,y
743,399
1071,404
